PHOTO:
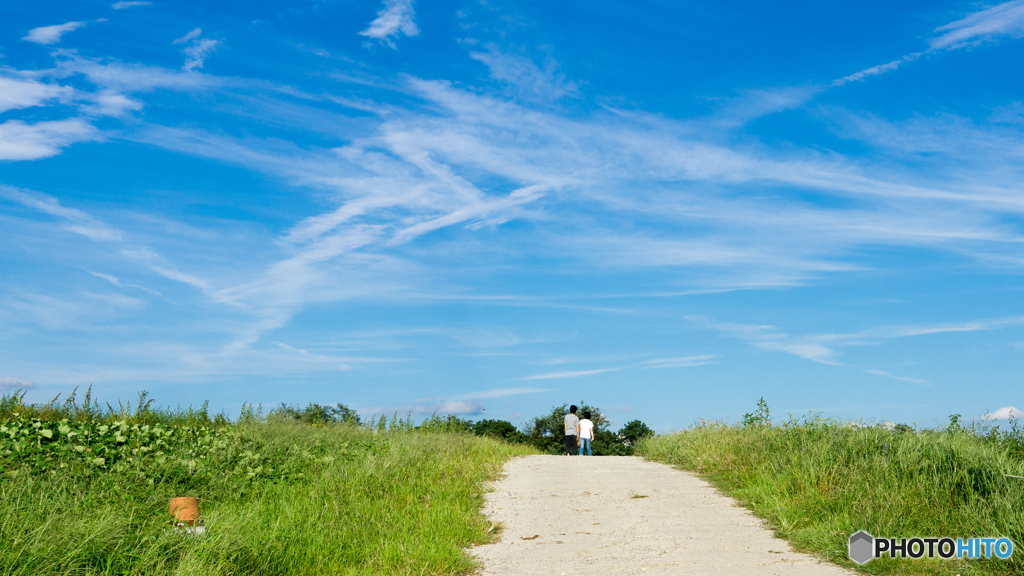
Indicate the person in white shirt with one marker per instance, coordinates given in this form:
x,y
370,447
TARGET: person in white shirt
x,y
585,432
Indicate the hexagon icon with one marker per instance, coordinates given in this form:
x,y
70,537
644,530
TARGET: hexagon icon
x,y
862,547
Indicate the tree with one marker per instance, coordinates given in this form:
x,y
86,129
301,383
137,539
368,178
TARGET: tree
x,y
635,431
499,429
760,417
315,413
547,433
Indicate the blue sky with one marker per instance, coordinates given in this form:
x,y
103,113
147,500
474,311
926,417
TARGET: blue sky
x,y
667,209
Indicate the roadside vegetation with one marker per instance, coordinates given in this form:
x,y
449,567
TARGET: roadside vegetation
x,y
817,481
85,490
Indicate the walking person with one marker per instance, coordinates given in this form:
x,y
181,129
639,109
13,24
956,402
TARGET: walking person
x,y
586,433
572,430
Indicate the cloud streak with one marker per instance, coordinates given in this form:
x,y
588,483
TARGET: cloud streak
x,y
17,93
21,141
569,374
885,374
395,18
1002,21
51,34
1005,19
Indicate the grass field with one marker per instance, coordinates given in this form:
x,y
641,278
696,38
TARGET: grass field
x,y
86,491
818,481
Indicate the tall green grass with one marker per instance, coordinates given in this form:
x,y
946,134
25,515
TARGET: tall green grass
x,y
818,481
277,496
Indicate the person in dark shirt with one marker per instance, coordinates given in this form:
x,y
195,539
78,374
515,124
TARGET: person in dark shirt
x,y
572,429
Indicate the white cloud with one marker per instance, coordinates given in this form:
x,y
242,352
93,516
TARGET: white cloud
x,y
1004,413
51,34
1006,19
460,407
197,53
195,33
72,219
528,79
21,141
178,276
118,77
502,392
429,407
131,4
72,311
414,172
570,374
111,103
877,70
396,17
770,338
108,277
680,362
198,49
16,93
9,383
806,350
895,377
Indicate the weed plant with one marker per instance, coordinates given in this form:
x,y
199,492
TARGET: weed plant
x,y
85,490
817,481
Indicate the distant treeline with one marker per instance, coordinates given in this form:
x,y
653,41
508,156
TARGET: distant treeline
x,y
545,433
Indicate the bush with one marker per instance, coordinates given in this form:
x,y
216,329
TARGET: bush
x,y
500,429
315,413
634,432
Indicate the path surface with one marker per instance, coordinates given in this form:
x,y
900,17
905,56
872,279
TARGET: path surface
x,y
623,515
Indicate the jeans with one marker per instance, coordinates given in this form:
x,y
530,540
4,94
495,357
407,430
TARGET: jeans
x,y
585,443
570,444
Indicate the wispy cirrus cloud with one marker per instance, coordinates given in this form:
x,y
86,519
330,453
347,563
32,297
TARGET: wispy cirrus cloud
x,y
71,219
821,348
885,374
198,49
503,392
395,18
51,34
1003,20
569,374
679,362
17,93
22,141
769,337
81,223
526,78
675,362
129,4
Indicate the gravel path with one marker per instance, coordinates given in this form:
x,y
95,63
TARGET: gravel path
x,y
623,515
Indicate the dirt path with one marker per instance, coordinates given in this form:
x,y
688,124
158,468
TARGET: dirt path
x,y
622,515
